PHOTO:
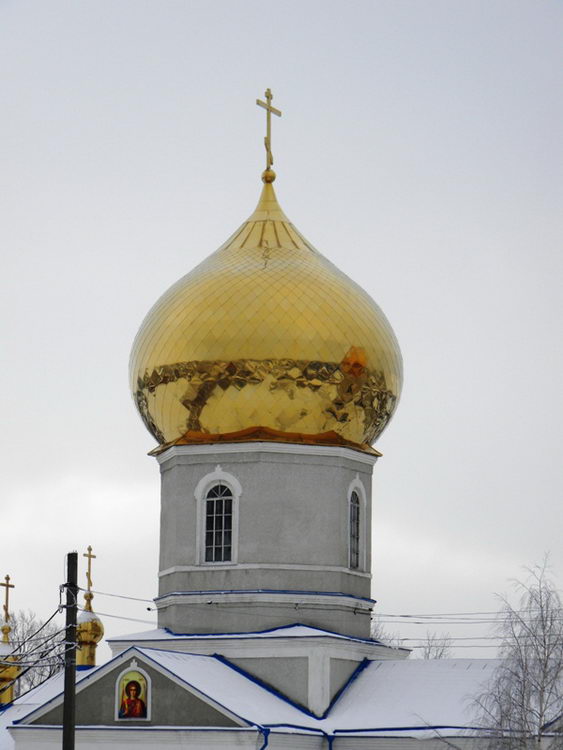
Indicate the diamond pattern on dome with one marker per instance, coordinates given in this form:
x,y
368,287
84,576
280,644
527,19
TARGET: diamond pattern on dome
x,y
266,332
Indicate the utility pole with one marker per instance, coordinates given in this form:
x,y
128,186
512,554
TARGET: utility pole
x,y
69,705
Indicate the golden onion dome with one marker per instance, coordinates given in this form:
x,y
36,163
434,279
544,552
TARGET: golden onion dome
x,y
89,632
266,339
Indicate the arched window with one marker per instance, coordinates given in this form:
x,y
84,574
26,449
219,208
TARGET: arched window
x,y
217,495
218,524
354,525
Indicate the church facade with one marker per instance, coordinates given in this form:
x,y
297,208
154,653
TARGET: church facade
x,y
265,375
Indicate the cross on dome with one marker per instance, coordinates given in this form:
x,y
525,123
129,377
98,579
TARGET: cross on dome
x,y
7,585
267,105
88,596
90,557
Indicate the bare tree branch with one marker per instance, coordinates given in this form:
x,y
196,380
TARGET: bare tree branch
x,y
43,653
525,696
379,633
436,646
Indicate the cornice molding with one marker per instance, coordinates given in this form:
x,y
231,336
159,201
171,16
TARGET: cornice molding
x,y
294,449
294,599
206,568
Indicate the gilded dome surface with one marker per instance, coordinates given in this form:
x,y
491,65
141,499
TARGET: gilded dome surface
x,y
266,333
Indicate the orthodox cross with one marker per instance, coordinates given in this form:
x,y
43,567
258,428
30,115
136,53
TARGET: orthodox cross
x,y
7,585
90,557
267,105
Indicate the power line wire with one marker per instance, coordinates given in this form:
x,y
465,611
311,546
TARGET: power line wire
x,y
22,643
119,596
380,615
122,617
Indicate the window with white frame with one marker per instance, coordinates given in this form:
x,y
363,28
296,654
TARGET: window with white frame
x,y
354,526
218,524
217,495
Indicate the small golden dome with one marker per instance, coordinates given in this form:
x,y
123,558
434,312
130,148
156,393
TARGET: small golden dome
x,y
89,632
266,333
89,628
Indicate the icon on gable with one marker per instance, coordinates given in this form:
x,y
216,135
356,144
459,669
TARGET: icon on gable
x,y
132,695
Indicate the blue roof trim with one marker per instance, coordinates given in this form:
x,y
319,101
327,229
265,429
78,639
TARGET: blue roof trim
x,y
405,729
354,676
264,685
253,728
309,730
266,735
293,592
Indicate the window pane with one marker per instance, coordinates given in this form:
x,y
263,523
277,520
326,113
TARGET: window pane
x,y
218,524
354,521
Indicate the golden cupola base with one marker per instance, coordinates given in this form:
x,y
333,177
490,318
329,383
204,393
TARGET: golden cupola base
x,y
267,336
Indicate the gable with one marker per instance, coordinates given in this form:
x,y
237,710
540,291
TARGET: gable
x,y
169,704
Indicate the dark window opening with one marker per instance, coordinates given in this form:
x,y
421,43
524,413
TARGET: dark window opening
x,y
218,524
354,530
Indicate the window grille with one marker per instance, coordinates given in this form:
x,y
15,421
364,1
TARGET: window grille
x,y
218,524
354,530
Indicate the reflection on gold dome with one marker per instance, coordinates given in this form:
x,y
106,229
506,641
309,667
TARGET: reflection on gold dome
x,y
266,333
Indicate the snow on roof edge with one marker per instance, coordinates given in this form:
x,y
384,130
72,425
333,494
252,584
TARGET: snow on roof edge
x,y
279,632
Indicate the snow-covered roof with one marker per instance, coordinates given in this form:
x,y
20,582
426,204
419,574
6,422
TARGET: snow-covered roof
x,y
286,631
229,687
27,703
411,695
414,698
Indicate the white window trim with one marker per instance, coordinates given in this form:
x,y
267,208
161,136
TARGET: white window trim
x,y
133,665
200,493
357,486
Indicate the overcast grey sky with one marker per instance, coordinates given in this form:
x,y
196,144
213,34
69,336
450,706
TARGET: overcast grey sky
x,y
420,150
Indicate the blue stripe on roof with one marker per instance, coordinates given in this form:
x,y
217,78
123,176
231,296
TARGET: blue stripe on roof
x,y
264,685
353,677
